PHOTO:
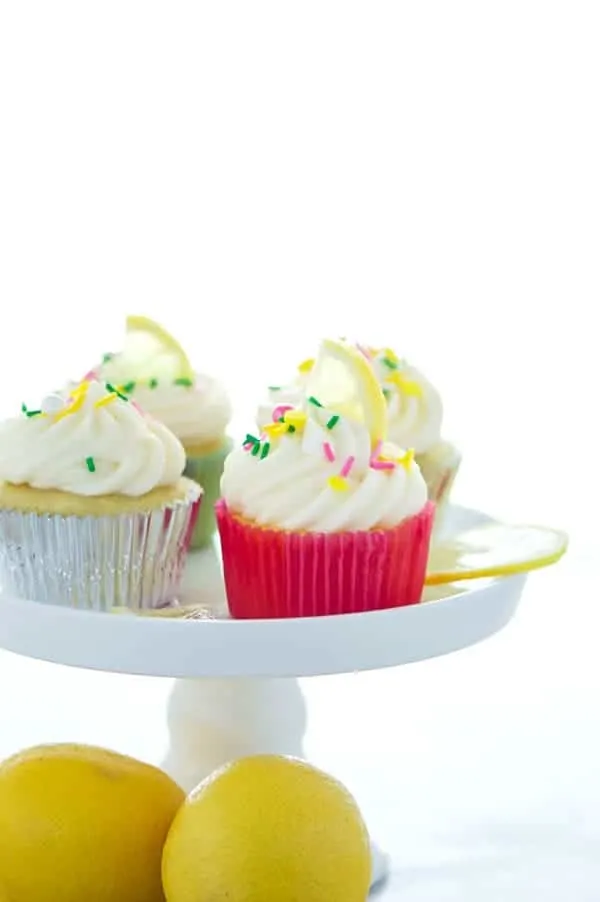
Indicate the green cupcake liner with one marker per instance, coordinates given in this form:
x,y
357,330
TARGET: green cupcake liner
x,y
207,469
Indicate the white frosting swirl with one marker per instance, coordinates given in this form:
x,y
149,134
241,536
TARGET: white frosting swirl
x,y
94,450
290,487
414,406
415,409
197,413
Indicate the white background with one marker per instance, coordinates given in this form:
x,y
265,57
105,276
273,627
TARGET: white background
x,y
257,175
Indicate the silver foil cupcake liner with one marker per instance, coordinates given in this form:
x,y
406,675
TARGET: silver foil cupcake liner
x,y
98,563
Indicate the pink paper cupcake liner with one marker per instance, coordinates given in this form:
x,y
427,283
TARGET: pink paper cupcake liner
x,y
273,573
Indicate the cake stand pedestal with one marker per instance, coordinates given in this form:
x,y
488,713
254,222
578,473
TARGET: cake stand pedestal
x,y
236,691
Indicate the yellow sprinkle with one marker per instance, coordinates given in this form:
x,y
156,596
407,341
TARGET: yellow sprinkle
x,y
108,399
274,429
295,418
337,483
406,386
73,408
407,459
391,355
306,365
80,389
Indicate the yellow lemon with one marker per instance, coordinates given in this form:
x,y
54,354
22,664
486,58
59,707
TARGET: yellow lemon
x,y
343,380
268,829
150,353
83,824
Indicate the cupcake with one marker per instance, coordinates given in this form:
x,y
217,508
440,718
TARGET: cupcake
x,y
94,510
154,371
319,513
415,415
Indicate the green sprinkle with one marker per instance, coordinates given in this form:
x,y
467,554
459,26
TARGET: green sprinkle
x,y
115,391
281,420
274,387
386,393
255,449
89,462
332,422
153,383
313,400
184,381
33,413
291,428
251,440
24,408
265,450
107,357
129,387
389,363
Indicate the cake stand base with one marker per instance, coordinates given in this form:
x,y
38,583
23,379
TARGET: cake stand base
x,y
213,721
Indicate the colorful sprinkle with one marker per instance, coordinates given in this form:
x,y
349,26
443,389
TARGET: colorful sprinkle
x,y
291,428
91,375
279,412
265,450
107,399
406,386
274,387
387,394
128,388
407,459
24,408
187,383
116,392
295,418
34,413
313,400
77,401
329,452
153,383
137,407
251,439
348,464
337,483
255,449
392,365
364,352
107,357
89,462
306,365
382,465
275,429
333,421
376,450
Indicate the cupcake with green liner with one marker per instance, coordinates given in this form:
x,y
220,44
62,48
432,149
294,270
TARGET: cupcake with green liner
x,y
320,514
154,371
94,510
415,414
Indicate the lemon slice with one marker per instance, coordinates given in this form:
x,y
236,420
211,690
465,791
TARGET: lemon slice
x,y
343,380
496,549
150,352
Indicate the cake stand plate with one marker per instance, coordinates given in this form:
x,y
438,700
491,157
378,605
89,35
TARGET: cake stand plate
x,y
236,691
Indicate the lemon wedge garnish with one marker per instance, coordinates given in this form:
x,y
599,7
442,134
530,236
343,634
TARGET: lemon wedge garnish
x,y
343,380
496,549
150,352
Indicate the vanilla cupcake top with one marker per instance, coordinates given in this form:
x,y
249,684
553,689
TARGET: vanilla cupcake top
x,y
415,408
93,441
197,409
316,470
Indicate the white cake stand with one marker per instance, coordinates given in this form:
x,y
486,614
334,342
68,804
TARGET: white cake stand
x,y
236,691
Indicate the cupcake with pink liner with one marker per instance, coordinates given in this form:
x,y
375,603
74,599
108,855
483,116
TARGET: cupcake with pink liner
x,y
320,514
415,415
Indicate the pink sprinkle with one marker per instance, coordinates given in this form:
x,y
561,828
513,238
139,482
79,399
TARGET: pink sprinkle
x,y
247,446
328,452
382,465
363,351
137,407
376,451
90,376
349,463
279,411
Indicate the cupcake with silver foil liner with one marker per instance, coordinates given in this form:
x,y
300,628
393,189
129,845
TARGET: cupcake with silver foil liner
x,y
94,510
153,370
415,414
